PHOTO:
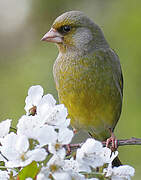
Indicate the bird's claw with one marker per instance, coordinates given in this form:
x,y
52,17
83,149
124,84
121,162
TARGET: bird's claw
x,y
112,142
74,131
68,149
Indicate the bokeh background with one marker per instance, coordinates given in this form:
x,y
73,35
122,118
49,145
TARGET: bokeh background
x,y
26,61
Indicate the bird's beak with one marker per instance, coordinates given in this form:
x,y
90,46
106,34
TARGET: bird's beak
x,y
52,36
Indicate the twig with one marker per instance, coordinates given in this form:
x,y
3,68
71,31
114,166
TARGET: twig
x,y
121,142
132,141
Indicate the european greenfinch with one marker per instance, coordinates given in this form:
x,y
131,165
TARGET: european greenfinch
x,y
87,74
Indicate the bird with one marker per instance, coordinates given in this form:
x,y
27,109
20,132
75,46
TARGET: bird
x,y
87,74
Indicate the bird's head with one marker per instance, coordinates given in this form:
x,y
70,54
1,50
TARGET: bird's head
x,y
74,31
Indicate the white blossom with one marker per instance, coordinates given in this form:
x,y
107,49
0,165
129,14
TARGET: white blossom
x,y
68,176
4,127
57,149
45,135
4,175
77,176
123,172
35,94
32,127
56,161
107,155
90,155
53,166
16,149
53,115
64,137
27,124
43,174
46,109
71,165
61,176
46,123
59,169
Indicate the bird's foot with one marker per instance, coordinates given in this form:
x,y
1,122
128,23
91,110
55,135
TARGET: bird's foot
x,y
68,149
112,142
74,130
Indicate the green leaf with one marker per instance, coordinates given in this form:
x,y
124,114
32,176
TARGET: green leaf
x,y
29,171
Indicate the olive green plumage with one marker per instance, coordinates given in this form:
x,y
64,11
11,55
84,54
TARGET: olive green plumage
x,y
91,89
88,75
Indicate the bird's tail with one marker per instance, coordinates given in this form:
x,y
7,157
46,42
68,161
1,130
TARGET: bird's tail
x,y
116,162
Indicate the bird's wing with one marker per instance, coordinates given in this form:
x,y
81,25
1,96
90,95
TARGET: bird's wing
x,y
117,68
109,64
114,65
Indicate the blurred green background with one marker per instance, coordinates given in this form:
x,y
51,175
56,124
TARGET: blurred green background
x,y
26,61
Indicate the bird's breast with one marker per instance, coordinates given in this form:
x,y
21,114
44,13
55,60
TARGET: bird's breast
x,y
87,89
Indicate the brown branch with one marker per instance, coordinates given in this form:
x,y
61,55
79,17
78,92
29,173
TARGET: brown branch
x,y
121,142
131,141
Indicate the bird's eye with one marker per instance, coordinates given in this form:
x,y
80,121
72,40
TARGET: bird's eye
x,y
64,29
